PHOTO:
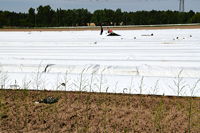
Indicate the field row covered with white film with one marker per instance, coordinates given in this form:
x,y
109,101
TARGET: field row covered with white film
x,y
158,62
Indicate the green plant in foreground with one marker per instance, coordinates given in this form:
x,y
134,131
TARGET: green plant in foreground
x,y
189,114
158,116
2,110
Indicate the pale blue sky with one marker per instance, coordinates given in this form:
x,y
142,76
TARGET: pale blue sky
x,y
91,5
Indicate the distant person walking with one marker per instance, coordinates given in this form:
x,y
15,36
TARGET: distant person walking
x,y
101,30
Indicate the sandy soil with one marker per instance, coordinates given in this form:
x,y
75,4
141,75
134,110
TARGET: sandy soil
x,y
114,28
95,113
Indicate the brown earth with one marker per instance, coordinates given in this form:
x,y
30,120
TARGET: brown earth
x,y
97,112
98,28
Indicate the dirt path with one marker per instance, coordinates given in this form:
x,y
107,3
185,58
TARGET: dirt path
x,y
114,28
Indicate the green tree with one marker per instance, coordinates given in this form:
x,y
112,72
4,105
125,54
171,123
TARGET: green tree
x,y
98,17
31,17
1,20
196,18
83,17
44,16
118,16
109,16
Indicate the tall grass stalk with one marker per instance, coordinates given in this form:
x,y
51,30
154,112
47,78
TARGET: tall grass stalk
x,y
25,84
101,80
189,114
82,83
155,88
91,80
131,85
190,101
37,78
3,79
179,84
66,79
141,85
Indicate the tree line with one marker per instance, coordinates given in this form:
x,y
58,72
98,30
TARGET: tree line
x,y
45,16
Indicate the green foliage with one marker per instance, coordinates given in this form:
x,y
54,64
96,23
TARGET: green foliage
x,y
31,17
45,16
99,17
196,18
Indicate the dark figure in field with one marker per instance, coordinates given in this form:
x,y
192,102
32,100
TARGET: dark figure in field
x,y
101,30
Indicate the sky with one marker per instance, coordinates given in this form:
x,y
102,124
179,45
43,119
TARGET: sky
x,y
92,5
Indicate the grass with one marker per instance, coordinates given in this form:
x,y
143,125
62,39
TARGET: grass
x,y
97,112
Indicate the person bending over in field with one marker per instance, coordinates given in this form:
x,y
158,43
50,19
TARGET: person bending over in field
x,y
110,30
111,33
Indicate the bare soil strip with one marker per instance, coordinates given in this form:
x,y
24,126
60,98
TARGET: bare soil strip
x,y
97,112
98,28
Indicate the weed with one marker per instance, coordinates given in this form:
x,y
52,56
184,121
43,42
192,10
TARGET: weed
x,y
81,82
141,85
158,116
155,88
26,84
101,80
3,79
179,84
38,79
131,85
